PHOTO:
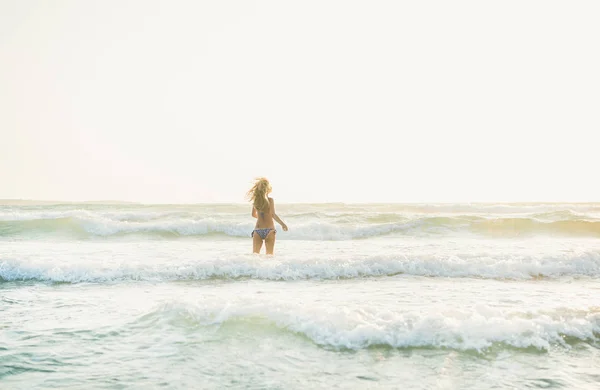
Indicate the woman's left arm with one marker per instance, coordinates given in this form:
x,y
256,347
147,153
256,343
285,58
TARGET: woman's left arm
x,y
276,218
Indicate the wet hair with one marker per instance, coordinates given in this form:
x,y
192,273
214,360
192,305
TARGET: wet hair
x,y
259,192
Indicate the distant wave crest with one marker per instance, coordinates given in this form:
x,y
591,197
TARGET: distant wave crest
x,y
82,225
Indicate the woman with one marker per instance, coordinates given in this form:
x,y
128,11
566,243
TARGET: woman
x,y
263,209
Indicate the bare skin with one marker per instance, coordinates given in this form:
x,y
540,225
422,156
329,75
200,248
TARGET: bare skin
x,y
265,220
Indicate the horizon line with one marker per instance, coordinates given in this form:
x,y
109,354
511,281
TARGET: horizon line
x,y
9,201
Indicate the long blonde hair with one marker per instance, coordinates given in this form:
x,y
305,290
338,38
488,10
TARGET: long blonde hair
x,y
259,192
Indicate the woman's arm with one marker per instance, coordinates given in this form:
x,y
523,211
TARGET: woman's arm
x,y
275,217
283,225
254,212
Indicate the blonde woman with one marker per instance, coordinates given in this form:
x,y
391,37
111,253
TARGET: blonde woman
x,y
263,209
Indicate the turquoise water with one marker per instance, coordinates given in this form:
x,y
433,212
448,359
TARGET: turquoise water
x,y
356,296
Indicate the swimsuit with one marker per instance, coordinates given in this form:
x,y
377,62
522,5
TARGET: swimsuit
x,y
263,233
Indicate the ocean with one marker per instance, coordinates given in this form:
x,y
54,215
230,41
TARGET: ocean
x,y
357,296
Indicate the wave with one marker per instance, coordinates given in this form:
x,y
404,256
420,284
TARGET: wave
x,y
103,227
481,328
181,224
284,268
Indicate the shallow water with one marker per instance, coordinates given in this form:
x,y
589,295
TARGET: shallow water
x,y
356,296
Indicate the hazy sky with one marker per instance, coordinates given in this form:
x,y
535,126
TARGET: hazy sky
x,y
351,101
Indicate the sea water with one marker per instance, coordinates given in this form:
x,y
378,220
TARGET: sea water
x,y
398,296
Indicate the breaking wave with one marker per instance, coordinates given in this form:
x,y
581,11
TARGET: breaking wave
x,y
481,328
283,268
88,225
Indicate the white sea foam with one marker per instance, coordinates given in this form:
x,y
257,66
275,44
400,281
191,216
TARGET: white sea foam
x,y
355,328
70,268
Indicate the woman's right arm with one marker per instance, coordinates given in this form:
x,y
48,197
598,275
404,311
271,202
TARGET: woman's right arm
x,y
254,212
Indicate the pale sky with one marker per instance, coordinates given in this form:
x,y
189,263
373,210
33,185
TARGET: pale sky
x,y
333,101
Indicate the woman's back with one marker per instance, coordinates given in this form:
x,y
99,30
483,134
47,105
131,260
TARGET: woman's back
x,y
264,217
